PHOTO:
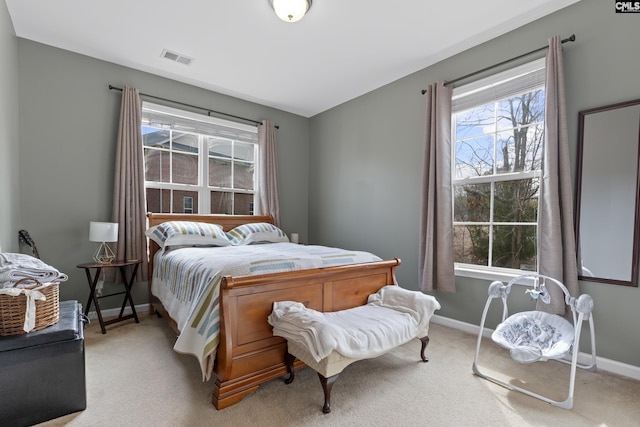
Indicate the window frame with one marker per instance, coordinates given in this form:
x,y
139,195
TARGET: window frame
x,y
205,129
479,93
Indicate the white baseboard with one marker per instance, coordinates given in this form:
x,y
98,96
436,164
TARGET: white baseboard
x,y
603,364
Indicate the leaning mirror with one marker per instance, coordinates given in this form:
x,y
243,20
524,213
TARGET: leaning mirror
x,y
607,190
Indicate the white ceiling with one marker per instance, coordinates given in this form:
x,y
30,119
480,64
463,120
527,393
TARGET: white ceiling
x,y
339,51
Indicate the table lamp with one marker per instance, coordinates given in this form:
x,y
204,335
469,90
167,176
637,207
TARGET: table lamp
x,y
103,232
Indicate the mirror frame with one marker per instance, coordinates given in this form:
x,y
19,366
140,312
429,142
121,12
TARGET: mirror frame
x,y
633,281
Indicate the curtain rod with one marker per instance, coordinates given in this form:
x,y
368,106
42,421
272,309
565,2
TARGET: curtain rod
x,y
208,110
571,38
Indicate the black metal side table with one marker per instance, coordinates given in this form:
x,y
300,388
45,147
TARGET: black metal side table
x,y
128,282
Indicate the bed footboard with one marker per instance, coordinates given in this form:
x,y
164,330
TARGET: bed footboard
x,y
248,354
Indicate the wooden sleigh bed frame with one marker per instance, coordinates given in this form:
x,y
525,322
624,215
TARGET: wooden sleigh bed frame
x,y
248,354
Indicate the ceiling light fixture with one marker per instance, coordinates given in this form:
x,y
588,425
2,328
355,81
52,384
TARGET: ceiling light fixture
x,y
291,10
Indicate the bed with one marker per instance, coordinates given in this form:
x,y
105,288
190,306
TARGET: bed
x,y
247,354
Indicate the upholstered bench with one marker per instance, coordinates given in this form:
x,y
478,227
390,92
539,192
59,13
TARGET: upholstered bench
x,y
42,373
329,342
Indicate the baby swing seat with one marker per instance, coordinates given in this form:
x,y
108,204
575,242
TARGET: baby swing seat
x,y
533,336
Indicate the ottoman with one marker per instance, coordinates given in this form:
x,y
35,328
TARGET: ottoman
x,y
42,373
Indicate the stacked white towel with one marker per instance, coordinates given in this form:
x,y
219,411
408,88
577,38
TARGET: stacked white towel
x,y
392,317
14,267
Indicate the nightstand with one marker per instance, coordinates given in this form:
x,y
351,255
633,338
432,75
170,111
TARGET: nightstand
x,y
127,281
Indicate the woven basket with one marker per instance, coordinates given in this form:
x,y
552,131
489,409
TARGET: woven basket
x,y
13,309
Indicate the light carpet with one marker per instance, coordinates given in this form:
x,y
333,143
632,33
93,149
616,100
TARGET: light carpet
x,y
134,378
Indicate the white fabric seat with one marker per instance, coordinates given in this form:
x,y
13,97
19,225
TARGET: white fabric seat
x,y
361,332
533,336
392,317
331,365
329,342
537,336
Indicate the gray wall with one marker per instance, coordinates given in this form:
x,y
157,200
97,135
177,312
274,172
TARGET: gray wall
x,y
9,201
365,157
68,126
361,189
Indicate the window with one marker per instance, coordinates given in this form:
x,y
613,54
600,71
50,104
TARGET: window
x,y
198,164
498,131
188,205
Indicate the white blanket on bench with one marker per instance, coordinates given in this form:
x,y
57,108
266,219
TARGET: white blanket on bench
x,y
392,317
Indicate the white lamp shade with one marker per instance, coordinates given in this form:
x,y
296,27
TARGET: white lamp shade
x,y
291,10
103,231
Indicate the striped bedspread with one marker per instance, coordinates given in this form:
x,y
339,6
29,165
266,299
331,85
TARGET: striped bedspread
x,y
187,281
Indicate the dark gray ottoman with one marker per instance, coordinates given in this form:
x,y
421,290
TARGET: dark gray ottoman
x,y
42,373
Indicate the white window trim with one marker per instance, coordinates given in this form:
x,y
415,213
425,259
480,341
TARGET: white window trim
x,y
203,188
503,177
470,89
487,273
477,271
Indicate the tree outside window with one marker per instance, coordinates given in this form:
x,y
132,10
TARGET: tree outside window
x,y
496,181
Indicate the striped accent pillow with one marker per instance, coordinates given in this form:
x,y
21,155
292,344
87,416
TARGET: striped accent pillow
x,y
259,232
187,233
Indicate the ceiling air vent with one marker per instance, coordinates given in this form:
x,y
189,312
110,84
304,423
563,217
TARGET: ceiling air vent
x,y
177,57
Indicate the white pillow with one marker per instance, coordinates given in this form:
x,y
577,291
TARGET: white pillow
x,y
259,232
187,233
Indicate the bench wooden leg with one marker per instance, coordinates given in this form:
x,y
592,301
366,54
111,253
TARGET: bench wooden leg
x,y
425,341
288,360
327,384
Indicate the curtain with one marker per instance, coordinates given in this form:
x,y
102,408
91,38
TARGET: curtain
x,y
129,207
556,236
436,268
269,203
